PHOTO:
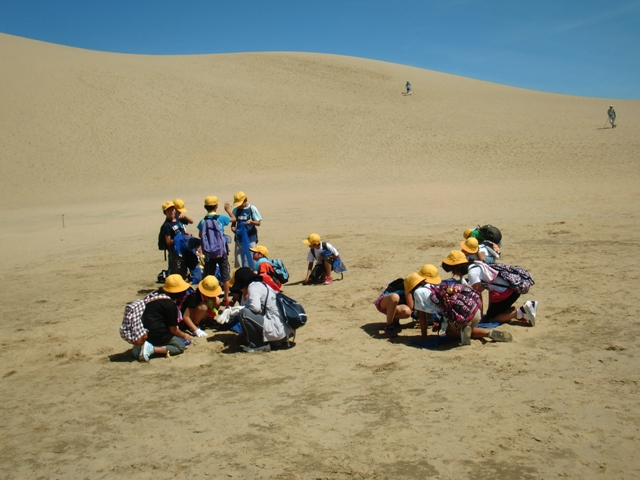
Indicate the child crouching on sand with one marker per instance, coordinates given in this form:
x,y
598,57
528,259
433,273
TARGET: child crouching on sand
x,y
323,254
160,319
201,304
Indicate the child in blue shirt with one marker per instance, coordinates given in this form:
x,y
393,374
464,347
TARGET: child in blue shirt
x,y
247,218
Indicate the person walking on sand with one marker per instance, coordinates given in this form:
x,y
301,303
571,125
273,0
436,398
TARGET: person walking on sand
x,y
612,116
408,85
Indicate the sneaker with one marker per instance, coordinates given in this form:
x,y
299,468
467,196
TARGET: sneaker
x,y
500,336
328,281
145,352
465,336
263,348
136,351
391,331
530,308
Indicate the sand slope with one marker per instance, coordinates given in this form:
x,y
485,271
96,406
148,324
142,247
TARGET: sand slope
x,y
328,144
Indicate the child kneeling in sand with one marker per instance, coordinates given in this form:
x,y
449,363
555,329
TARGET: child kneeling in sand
x,y
160,319
323,254
501,295
429,299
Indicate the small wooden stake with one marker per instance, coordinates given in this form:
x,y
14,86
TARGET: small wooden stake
x,y
63,220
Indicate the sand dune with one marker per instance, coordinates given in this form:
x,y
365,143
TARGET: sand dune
x,y
329,144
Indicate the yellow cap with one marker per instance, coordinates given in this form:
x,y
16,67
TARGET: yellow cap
x,y
467,232
411,281
430,274
211,201
209,286
260,249
311,239
179,204
238,198
470,245
166,205
175,284
456,257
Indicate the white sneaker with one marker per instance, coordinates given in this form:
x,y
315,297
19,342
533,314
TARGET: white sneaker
x,y
530,308
465,336
145,352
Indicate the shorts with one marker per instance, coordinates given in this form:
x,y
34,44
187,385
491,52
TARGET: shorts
x,y
498,308
378,301
223,263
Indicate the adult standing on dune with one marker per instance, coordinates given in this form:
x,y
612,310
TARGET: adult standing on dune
x,y
612,116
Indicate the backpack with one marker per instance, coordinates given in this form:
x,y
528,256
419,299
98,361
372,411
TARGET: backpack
x,y
132,329
491,233
291,312
214,245
162,242
493,248
458,303
280,272
519,279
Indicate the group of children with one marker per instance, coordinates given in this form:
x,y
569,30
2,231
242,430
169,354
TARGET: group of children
x,y
455,305
172,314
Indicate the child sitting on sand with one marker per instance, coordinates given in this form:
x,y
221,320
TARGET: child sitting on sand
x,y
323,254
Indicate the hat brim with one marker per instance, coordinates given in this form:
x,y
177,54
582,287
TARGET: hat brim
x,y
433,280
239,202
306,242
178,288
181,210
465,248
210,293
446,261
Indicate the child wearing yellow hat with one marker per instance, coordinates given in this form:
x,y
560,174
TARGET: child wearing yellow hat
x,y
323,254
247,220
200,304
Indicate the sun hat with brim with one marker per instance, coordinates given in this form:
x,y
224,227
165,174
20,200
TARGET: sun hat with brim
x,y
430,274
467,233
456,257
411,281
311,239
260,249
211,201
166,205
238,198
210,286
243,277
179,204
175,284
470,245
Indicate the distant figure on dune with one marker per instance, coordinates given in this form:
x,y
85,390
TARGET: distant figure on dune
x,y
408,85
612,116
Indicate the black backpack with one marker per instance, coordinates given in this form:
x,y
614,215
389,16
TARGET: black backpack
x,y
491,233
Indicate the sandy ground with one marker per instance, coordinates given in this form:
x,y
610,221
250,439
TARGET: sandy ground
x,y
327,144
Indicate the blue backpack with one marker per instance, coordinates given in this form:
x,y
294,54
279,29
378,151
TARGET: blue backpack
x,y
280,271
214,245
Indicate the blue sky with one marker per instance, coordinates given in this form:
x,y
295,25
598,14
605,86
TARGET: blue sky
x,y
579,47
